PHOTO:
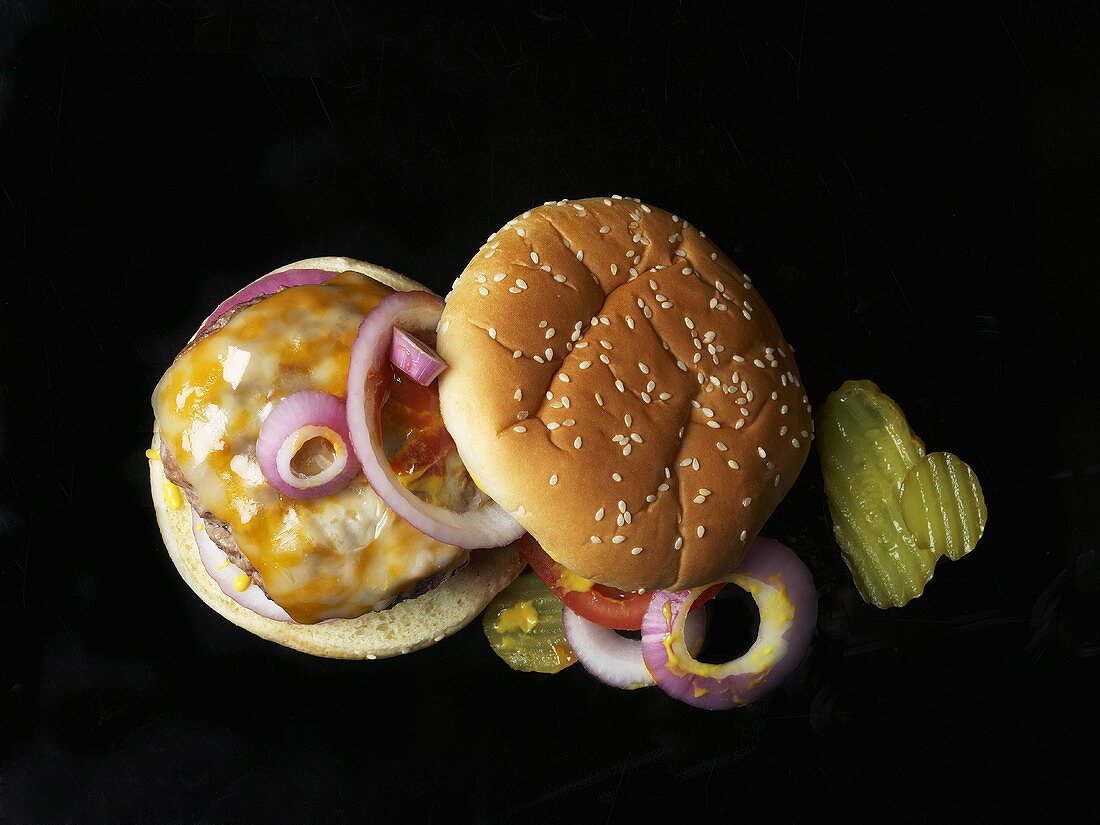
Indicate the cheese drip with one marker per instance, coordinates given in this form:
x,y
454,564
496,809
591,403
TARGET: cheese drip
x,y
335,557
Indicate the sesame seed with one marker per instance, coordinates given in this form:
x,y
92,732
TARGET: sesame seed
x,y
559,278
700,531
679,542
519,429
740,423
733,465
580,254
599,514
618,539
636,438
627,419
700,499
758,362
783,430
745,502
569,422
534,257
605,359
689,323
493,333
604,230
635,550
553,425
662,488
522,414
665,396
646,397
539,359
714,425
686,462
616,477
565,401
651,498
549,354
550,333
517,354
740,360
619,385
643,368
595,539
513,289
563,378
500,276
605,344
614,269
703,491
553,479
599,399
482,290
627,449
695,464
585,365
577,443
795,443
760,452
775,481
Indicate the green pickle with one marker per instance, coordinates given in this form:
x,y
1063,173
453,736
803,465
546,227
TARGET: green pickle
x,y
523,625
895,510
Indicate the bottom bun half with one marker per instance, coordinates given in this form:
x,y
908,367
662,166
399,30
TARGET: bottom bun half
x,y
407,626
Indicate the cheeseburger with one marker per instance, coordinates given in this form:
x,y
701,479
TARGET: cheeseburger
x,y
272,512
345,464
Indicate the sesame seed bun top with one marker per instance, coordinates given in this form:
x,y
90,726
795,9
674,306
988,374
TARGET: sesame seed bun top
x,y
620,386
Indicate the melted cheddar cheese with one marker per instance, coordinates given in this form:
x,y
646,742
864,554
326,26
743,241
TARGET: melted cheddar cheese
x,y
334,557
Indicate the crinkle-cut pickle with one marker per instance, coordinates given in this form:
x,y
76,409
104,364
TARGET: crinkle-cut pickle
x,y
524,628
895,510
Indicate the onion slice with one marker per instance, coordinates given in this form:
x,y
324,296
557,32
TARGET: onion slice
x,y
784,593
617,660
415,358
228,576
267,285
295,420
368,377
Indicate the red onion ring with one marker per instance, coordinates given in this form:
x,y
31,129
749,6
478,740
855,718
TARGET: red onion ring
x,y
616,660
225,573
415,358
267,285
294,421
368,376
784,592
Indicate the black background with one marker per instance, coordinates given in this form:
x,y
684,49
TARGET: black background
x,y
910,187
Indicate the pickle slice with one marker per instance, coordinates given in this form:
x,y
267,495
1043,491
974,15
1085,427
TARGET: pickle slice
x,y
867,451
524,628
943,505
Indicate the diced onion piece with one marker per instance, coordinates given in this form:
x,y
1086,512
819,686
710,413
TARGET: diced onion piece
x,y
294,422
486,525
267,285
616,660
230,578
415,358
784,593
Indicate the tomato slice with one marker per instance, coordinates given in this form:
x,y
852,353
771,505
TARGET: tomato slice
x,y
607,606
